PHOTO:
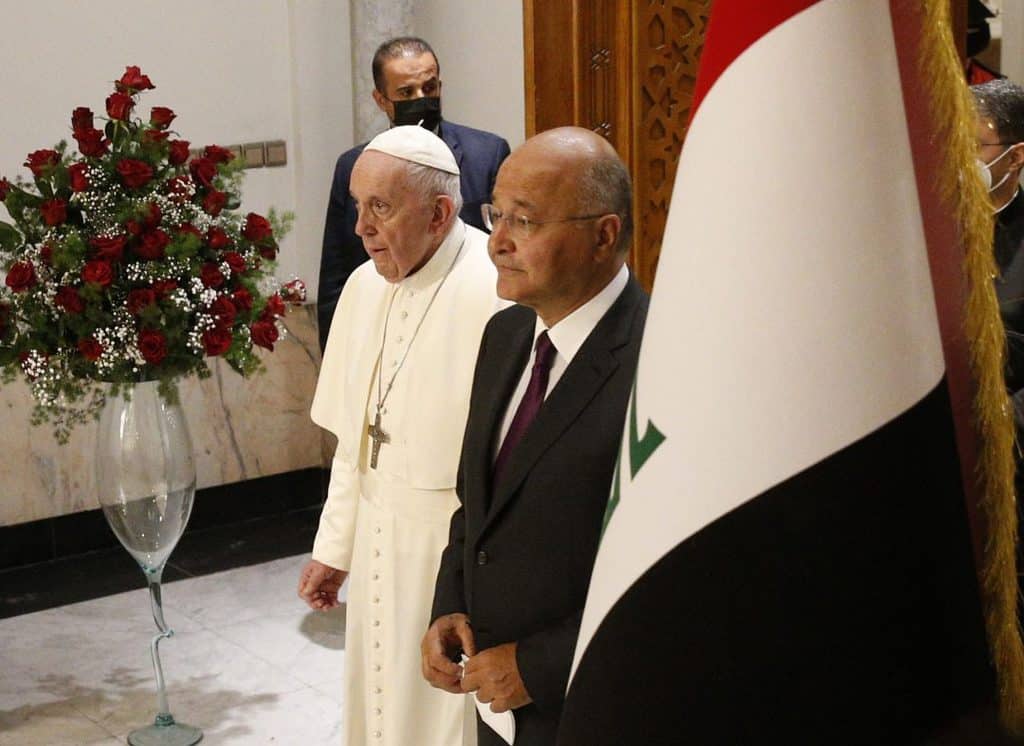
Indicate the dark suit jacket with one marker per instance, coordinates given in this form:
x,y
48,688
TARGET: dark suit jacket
x,y
478,153
519,557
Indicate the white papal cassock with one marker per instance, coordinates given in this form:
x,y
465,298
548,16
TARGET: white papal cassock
x,y
388,525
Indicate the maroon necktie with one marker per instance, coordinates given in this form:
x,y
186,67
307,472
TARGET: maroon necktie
x,y
544,356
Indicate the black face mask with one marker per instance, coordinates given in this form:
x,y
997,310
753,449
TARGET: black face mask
x,y
426,112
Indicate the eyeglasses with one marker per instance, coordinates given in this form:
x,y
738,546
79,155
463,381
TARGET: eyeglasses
x,y
519,226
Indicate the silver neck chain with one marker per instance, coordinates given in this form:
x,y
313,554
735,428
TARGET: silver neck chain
x,y
383,396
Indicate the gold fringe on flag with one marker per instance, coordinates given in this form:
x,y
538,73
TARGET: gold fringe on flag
x,y
962,189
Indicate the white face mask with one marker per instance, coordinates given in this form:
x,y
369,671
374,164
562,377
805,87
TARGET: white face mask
x,y
985,170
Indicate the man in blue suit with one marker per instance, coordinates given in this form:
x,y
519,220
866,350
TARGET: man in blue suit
x,y
407,88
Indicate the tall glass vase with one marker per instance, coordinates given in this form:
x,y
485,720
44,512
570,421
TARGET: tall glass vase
x,y
146,478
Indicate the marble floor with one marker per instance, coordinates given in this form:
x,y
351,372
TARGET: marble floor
x,y
249,663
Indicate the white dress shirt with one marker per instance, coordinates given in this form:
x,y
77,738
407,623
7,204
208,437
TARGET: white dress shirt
x,y
567,336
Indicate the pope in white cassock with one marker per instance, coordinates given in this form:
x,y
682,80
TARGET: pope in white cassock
x,y
394,388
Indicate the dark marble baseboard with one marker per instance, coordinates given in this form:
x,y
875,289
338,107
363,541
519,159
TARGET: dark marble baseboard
x,y
75,558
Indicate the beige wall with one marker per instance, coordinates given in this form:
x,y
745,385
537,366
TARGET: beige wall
x,y
480,46
1011,21
234,71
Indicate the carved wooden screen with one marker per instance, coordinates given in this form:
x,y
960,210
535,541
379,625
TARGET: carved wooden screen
x,y
626,70
669,37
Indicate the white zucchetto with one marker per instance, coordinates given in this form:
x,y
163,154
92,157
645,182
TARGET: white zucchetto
x,y
415,144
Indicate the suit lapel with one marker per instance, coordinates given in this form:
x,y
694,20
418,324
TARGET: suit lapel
x,y
506,365
451,139
590,368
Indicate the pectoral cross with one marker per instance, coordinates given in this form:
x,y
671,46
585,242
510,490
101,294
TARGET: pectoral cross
x,y
379,438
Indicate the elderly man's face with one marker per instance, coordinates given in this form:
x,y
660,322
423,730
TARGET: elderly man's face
x,y
550,269
394,222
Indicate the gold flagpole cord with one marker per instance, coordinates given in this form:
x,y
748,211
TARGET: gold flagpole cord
x,y
961,188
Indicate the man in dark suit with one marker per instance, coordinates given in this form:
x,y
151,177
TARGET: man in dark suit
x,y
547,408
407,88
999,107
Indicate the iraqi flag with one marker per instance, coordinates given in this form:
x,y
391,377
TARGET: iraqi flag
x,y
787,558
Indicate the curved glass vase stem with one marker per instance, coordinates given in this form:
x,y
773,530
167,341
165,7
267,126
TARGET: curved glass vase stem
x,y
163,713
164,731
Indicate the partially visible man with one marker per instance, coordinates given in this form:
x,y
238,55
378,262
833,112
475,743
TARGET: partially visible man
x,y
1000,127
542,437
394,388
407,88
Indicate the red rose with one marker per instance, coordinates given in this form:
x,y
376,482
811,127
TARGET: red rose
x,y
216,341
273,309
217,154
21,276
41,162
177,152
153,346
119,105
163,288
294,292
134,173
152,215
153,244
161,117
211,276
109,248
140,298
90,348
235,261
264,333
217,238
269,250
5,187
155,135
91,143
223,310
257,228
189,230
133,80
203,170
134,227
214,202
242,299
46,254
54,211
98,272
179,188
81,119
69,299
79,181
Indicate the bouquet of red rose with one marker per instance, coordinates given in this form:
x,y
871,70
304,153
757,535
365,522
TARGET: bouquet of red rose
x,y
128,262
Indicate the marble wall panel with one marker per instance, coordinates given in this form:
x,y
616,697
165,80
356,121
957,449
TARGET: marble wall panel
x,y
241,429
373,22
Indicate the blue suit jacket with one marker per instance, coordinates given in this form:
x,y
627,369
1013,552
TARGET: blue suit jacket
x,y
478,153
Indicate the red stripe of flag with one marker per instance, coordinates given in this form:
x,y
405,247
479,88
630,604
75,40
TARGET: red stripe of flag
x,y
734,26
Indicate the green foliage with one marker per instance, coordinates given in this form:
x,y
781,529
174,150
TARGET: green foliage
x,y
9,237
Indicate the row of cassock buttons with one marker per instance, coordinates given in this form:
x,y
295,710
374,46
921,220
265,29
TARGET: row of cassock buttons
x,y
375,575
